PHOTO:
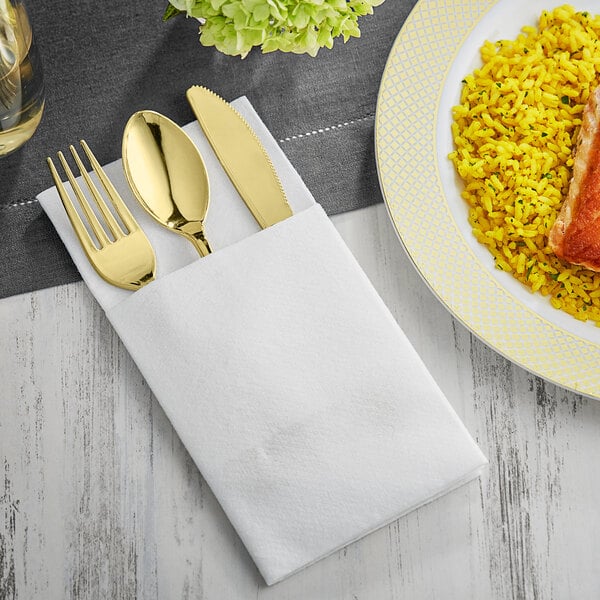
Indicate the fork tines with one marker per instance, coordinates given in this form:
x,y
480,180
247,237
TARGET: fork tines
x,y
119,206
120,252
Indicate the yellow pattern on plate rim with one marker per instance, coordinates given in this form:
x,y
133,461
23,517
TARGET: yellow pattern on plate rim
x,y
405,138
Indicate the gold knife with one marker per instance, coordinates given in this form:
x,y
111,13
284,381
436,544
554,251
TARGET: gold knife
x,y
242,155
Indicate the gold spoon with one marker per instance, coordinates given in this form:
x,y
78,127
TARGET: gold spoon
x,y
167,175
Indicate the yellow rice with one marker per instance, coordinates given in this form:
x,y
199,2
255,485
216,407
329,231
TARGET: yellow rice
x,y
514,133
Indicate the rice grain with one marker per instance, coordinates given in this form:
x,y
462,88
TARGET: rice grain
x,y
514,133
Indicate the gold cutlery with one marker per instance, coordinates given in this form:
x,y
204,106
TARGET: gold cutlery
x,y
242,155
119,252
167,175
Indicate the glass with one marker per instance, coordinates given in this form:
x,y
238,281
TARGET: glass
x,y
21,80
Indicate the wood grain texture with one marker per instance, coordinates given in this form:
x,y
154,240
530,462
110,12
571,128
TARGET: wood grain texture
x,y
98,497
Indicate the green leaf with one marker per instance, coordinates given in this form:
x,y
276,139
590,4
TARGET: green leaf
x,y
300,17
170,12
261,12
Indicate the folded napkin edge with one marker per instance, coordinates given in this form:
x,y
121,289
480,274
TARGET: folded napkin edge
x,y
221,254
468,477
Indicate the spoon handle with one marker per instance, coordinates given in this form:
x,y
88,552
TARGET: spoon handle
x,y
200,243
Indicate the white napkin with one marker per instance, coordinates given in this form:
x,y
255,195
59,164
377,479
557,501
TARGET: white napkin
x,y
303,404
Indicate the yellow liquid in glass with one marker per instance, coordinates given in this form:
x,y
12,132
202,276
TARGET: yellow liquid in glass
x,y
21,81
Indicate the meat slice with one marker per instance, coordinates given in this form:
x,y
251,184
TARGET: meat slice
x,y
575,235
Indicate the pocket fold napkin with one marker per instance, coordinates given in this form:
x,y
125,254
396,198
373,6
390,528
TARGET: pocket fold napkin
x,y
301,401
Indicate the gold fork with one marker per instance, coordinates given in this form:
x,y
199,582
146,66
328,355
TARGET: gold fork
x,y
122,255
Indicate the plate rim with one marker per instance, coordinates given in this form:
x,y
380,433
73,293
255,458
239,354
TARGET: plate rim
x,y
571,376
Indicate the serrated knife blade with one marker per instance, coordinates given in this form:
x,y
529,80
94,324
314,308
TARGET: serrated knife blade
x,y
242,155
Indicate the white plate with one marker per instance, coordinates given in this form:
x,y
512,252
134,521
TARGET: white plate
x,y
438,45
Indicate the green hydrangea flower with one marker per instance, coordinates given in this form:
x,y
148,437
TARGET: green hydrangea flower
x,y
301,26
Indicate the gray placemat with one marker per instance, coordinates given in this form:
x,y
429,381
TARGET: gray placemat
x,y
103,61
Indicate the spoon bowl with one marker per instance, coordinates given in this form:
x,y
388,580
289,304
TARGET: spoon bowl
x,y
167,175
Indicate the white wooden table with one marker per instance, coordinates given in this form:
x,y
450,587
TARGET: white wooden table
x,y
99,499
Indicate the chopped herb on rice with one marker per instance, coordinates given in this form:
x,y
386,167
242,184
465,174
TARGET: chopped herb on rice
x,y
514,132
